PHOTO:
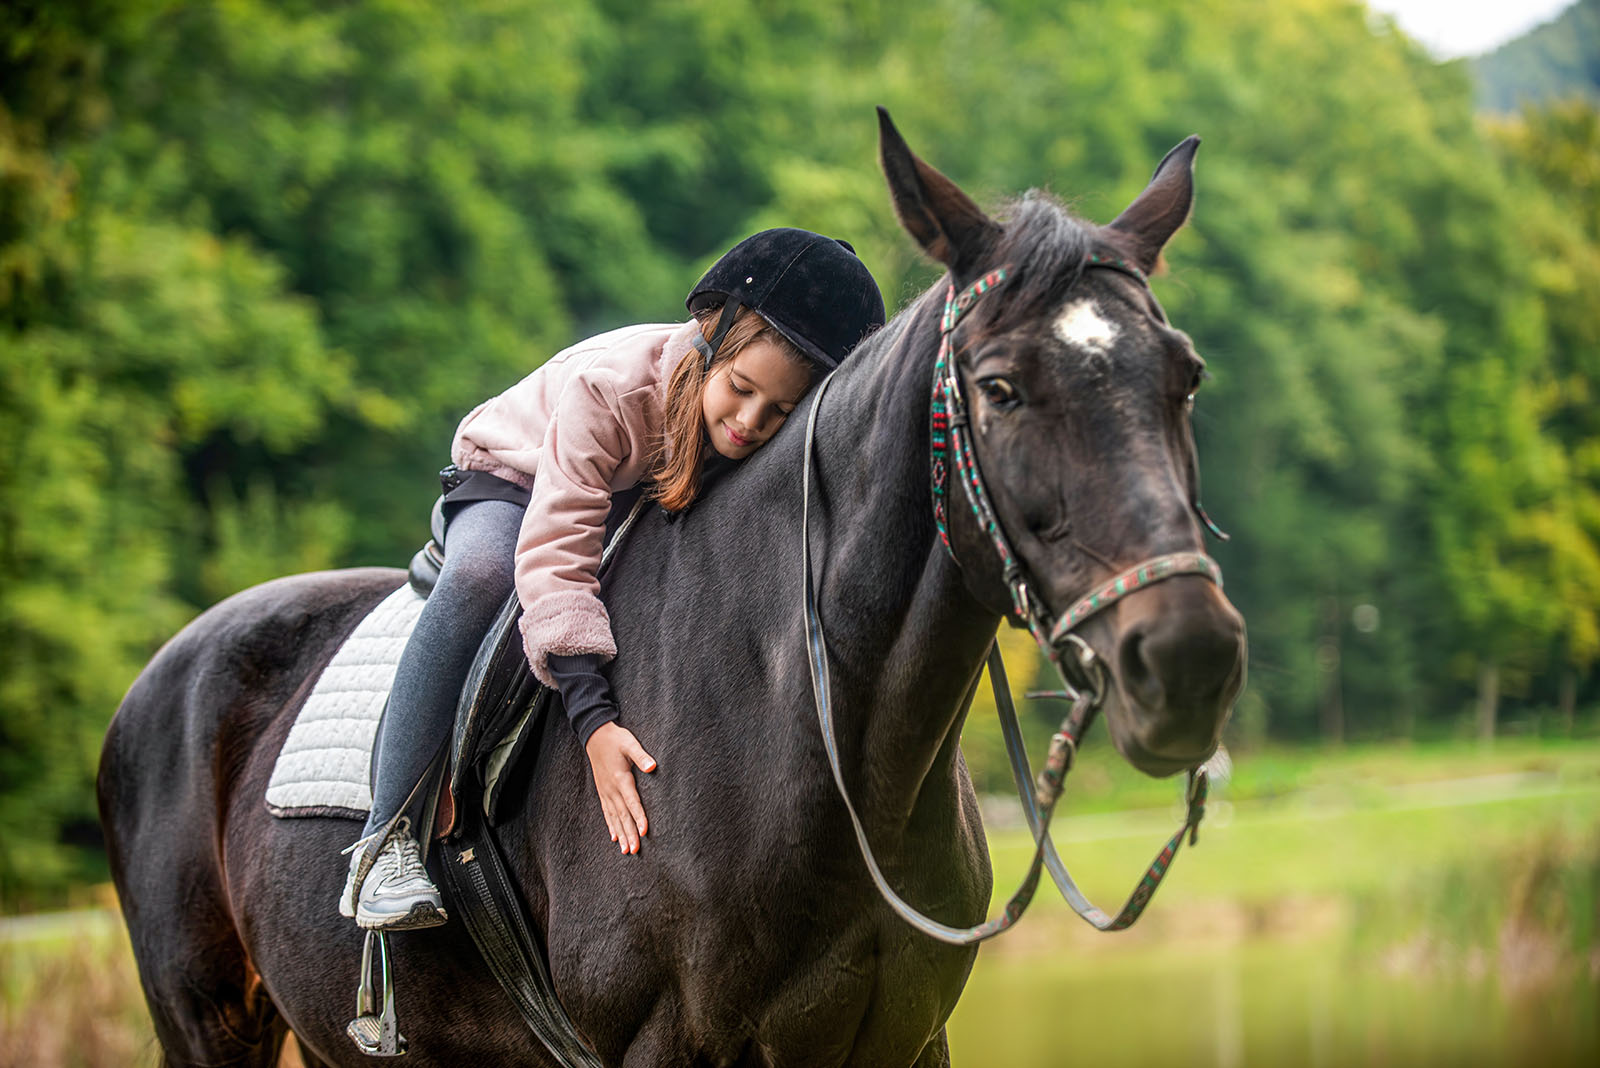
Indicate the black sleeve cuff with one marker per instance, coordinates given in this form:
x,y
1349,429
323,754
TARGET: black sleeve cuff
x,y
585,692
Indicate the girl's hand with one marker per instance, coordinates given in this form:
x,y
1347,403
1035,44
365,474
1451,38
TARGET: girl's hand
x,y
613,752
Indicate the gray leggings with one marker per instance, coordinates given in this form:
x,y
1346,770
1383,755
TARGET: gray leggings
x,y
473,586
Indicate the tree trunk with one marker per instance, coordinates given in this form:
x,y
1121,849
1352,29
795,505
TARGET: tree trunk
x,y
1329,655
1332,699
1488,697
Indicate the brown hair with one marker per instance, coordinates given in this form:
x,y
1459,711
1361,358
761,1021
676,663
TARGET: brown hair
x,y
676,455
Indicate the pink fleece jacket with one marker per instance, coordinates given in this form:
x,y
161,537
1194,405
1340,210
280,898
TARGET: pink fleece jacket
x,y
574,431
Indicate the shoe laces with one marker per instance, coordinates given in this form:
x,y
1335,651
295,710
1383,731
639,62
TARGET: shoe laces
x,y
408,858
359,843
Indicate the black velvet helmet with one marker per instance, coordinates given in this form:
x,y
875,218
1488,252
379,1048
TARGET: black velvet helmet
x,y
812,289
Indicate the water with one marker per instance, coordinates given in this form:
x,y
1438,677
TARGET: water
x,y
1410,918
1268,1000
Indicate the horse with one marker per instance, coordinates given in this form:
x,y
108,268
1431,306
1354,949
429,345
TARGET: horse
x,y
746,931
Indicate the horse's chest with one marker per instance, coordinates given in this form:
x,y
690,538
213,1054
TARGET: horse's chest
x,y
855,993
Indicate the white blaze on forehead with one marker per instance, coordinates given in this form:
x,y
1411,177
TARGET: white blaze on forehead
x,y
1082,325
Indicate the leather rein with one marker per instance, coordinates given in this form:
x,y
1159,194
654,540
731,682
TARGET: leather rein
x,y
1055,636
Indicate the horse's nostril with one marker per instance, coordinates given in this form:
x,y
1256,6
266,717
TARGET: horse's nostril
x,y
1138,677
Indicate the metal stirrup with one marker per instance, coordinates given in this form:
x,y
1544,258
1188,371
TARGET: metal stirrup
x,y
379,1035
376,1035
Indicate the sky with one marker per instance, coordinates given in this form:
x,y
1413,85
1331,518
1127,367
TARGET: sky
x,y
1450,28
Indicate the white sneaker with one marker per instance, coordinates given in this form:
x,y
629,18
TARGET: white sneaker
x,y
396,894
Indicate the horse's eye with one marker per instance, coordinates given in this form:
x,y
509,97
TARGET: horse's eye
x,y
999,391
1197,376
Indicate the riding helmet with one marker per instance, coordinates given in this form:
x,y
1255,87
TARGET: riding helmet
x,y
814,290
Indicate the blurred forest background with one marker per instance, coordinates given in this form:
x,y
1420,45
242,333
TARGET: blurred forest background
x,y
258,256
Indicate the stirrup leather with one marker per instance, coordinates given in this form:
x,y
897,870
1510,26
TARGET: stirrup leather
x,y
376,1035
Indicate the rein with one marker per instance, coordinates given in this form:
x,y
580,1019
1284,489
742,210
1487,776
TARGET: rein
x,y
951,431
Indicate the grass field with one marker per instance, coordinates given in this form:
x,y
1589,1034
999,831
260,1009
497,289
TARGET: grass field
x,y
1425,905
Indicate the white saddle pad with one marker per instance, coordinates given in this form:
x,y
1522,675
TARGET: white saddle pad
x,y
324,766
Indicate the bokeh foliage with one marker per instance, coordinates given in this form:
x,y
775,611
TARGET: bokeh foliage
x,y
257,256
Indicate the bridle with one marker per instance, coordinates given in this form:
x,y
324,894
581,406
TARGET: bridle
x,y
951,430
1056,637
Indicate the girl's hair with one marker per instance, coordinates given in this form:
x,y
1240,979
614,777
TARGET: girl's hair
x,y
676,455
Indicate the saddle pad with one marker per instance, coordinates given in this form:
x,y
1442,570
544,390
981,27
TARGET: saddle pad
x,y
324,768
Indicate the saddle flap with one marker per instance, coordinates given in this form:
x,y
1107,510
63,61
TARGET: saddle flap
x,y
499,760
499,695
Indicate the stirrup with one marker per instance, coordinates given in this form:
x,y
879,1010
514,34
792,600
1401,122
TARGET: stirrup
x,y
375,1035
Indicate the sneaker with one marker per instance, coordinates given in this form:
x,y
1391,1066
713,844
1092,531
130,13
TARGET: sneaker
x,y
396,894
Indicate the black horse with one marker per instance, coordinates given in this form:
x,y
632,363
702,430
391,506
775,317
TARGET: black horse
x,y
746,931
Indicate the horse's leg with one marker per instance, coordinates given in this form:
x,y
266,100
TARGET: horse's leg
x,y
173,754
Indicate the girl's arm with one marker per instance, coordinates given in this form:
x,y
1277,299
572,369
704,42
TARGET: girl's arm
x,y
559,545
613,750
585,691
566,630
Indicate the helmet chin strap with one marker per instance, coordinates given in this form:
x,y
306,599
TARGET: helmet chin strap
x,y
708,349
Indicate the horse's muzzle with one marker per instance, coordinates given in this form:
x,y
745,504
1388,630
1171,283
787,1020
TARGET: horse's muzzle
x,y
1179,665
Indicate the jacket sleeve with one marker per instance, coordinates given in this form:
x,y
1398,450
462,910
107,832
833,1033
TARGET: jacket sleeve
x,y
559,545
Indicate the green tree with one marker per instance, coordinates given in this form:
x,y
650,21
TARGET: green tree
x,y
1554,152
127,340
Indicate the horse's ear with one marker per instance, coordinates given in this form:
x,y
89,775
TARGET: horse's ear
x,y
1156,214
932,208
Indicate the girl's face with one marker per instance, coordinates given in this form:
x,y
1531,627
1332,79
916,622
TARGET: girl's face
x,y
747,399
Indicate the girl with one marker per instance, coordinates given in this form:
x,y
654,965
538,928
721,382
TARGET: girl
x,y
526,505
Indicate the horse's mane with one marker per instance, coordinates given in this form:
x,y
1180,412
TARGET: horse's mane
x,y
1043,247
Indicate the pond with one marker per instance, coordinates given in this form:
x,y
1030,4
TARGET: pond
x,y
1429,921
1443,923
1264,1001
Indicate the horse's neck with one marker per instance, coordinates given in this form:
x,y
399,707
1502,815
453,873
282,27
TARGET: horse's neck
x,y
905,638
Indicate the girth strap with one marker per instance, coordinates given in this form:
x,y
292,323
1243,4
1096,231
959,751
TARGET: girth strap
x,y
483,894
